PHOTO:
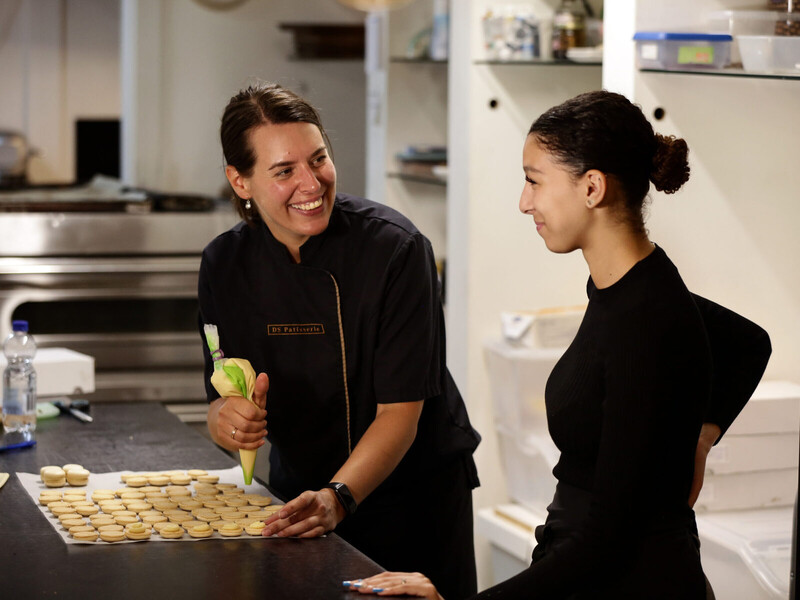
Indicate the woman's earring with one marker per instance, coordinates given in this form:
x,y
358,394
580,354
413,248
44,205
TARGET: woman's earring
x,y
247,204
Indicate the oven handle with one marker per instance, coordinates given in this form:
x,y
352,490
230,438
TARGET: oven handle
x,y
45,266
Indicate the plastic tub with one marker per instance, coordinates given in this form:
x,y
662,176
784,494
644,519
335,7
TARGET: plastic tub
x,y
770,54
517,378
747,554
751,22
682,51
528,464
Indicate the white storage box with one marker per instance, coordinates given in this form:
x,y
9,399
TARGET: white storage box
x,y
60,372
744,491
682,51
774,408
517,378
742,453
528,464
746,554
772,54
750,22
543,328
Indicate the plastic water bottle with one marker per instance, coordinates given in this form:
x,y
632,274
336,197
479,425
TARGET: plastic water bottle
x,y
19,380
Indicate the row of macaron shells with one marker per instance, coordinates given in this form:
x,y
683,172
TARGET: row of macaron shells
x,y
133,512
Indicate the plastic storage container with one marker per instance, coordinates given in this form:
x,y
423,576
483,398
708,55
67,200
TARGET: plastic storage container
x,y
682,51
751,22
747,554
517,378
528,465
772,54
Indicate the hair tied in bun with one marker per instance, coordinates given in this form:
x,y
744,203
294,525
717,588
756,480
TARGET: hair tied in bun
x,y
670,164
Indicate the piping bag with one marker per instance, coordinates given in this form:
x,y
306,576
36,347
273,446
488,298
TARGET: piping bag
x,y
233,377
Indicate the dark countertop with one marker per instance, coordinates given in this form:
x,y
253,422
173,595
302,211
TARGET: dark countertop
x,y
36,563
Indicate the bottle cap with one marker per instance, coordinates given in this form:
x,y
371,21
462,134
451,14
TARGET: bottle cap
x,y
19,326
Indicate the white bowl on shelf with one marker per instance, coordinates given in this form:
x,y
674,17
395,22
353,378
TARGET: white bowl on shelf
x,y
770,54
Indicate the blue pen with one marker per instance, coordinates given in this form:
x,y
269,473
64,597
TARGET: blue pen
x,y
18,445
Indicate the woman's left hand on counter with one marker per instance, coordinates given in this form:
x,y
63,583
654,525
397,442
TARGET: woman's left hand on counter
x,y
311,514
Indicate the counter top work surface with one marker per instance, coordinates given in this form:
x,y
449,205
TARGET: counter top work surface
x,y
143,437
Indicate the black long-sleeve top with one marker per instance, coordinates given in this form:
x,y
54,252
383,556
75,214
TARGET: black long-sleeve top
x,y
650,363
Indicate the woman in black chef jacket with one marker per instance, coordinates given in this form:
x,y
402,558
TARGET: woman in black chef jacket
x,y
653,378
335,301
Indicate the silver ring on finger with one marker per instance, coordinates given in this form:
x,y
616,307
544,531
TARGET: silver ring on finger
x,y
233,433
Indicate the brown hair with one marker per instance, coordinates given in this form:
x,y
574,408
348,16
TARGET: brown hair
x,y
605,131
259,104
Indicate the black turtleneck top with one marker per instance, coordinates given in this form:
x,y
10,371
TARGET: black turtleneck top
x,y
650,363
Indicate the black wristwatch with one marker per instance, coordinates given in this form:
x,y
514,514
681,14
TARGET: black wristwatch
x,y
344,496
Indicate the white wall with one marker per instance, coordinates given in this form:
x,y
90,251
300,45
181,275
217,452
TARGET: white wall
x,y
194,59
59,61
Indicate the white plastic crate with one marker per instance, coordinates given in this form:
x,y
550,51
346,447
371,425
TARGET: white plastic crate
x,y
774,408
517,378
746,555
528,464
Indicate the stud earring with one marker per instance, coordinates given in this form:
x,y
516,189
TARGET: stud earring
x,y
247,204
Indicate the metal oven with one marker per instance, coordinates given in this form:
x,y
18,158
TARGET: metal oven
x,y
120,286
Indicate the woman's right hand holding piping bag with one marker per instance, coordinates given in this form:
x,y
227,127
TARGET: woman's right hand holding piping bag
x,y
235,424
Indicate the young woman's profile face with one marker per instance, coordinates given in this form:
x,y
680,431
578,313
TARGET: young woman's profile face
x,y
553,198
293,184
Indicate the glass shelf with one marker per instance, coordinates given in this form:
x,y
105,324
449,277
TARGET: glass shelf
x,y
731,72
423,60
429,180
542,62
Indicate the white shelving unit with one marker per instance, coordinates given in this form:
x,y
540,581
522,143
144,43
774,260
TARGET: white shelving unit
x,y
408,106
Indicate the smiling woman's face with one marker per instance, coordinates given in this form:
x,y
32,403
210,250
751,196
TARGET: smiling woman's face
x,y
293,184
553,198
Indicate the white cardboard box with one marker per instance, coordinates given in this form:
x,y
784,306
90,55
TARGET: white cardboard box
x,y
744,491
743,453
543,328
60,372
774,408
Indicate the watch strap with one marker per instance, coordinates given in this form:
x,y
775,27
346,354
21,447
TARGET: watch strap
x,y
343,495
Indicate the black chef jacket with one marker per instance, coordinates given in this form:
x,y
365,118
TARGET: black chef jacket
x,y
356,323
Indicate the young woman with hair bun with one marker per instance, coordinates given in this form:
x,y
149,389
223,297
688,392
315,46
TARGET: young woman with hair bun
x,y
653,378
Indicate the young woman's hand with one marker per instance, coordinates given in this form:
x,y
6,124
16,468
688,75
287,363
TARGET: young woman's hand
x,y
311,514
709,434
396,584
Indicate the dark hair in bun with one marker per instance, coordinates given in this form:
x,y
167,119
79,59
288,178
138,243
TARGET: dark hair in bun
x,y
606,131
670,164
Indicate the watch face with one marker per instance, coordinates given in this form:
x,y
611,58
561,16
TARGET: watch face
x,y
344,496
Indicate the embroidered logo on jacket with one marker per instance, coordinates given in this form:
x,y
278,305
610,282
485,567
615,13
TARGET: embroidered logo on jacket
x,y
296,329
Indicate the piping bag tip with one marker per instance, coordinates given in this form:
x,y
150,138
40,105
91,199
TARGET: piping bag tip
x,y
248,460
